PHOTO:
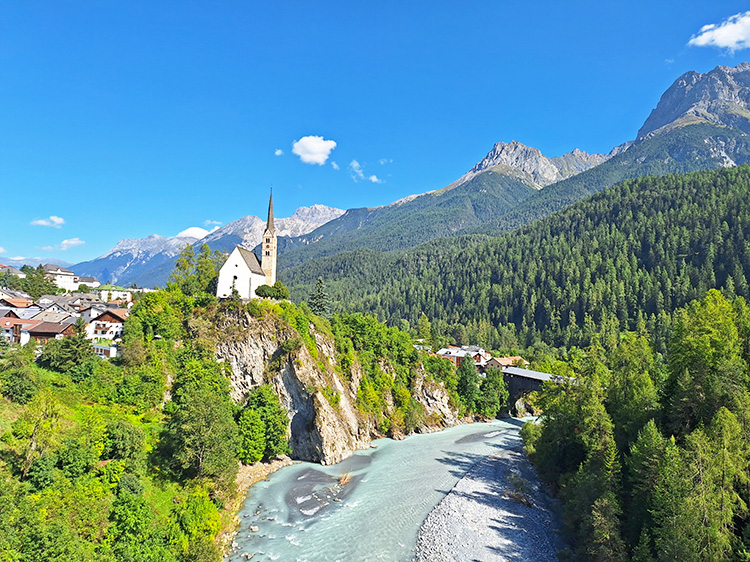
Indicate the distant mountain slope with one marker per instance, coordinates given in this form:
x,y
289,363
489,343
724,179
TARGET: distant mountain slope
x,y
508,175
133,254
149,261
646,246
678,150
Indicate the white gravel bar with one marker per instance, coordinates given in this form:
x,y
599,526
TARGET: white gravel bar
x,y
485,518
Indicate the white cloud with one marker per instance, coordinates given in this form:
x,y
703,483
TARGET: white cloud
x,y
53,221
2,250
313,150
278,152
193,232
732,34
64,245
358,173
208,222
335,166
384,161
70,243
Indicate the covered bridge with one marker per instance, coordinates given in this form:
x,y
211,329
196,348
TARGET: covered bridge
x,y
522,381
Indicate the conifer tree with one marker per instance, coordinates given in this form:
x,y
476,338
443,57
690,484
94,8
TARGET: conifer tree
x,y
320,302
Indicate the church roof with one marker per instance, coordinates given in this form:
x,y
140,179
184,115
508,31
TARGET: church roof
x,y
251,260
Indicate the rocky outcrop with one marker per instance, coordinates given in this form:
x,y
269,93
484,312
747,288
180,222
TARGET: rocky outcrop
x,y
719,97
324,423
530,165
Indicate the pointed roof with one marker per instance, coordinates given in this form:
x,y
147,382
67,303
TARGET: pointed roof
x,y
269,223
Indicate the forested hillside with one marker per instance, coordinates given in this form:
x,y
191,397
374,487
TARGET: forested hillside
x,y
651,458
631,254
406,224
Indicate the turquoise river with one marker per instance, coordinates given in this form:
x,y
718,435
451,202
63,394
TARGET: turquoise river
x,y
302,512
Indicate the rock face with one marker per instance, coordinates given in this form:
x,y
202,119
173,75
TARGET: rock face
x,y
319,430
719,97
529,164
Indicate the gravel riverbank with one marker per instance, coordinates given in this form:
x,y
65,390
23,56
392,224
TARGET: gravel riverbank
x,y
497,512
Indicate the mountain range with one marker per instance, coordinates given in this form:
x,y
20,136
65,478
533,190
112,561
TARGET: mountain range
x,y
149,261
701,122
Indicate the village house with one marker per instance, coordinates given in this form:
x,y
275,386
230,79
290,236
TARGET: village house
x,y
16,330
113,293
457,354
243,272
108,325
63,278
16,303
45,331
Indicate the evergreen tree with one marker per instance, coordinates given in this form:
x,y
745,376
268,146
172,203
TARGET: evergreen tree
x,y
320,302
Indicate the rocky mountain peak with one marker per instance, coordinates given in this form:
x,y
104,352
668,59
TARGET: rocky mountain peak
x,y
720,96
529,164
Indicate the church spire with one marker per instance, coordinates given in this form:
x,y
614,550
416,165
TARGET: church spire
x,y
269,223
269,247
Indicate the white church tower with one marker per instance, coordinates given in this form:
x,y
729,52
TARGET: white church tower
x,y
268,244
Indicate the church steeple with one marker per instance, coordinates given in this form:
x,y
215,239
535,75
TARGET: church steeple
x,y
269,222
268,247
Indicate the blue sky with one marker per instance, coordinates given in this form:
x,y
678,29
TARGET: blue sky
x,y
122,119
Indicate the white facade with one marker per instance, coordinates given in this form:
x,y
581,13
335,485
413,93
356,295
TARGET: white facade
x,y
108,294
237,273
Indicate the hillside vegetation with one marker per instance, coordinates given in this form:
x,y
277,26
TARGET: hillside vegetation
x,y
136,459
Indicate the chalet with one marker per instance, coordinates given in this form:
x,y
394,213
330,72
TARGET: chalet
x,y
45,331
243,272
108,325
458,354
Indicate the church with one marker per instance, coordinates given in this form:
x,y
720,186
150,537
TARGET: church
x,y
244,272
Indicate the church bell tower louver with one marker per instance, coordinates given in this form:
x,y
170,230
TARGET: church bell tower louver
x,y
269,246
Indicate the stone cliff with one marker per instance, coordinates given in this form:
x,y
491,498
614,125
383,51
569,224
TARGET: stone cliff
x,y
325,424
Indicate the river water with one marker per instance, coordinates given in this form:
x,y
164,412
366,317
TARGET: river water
x,y
302,512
